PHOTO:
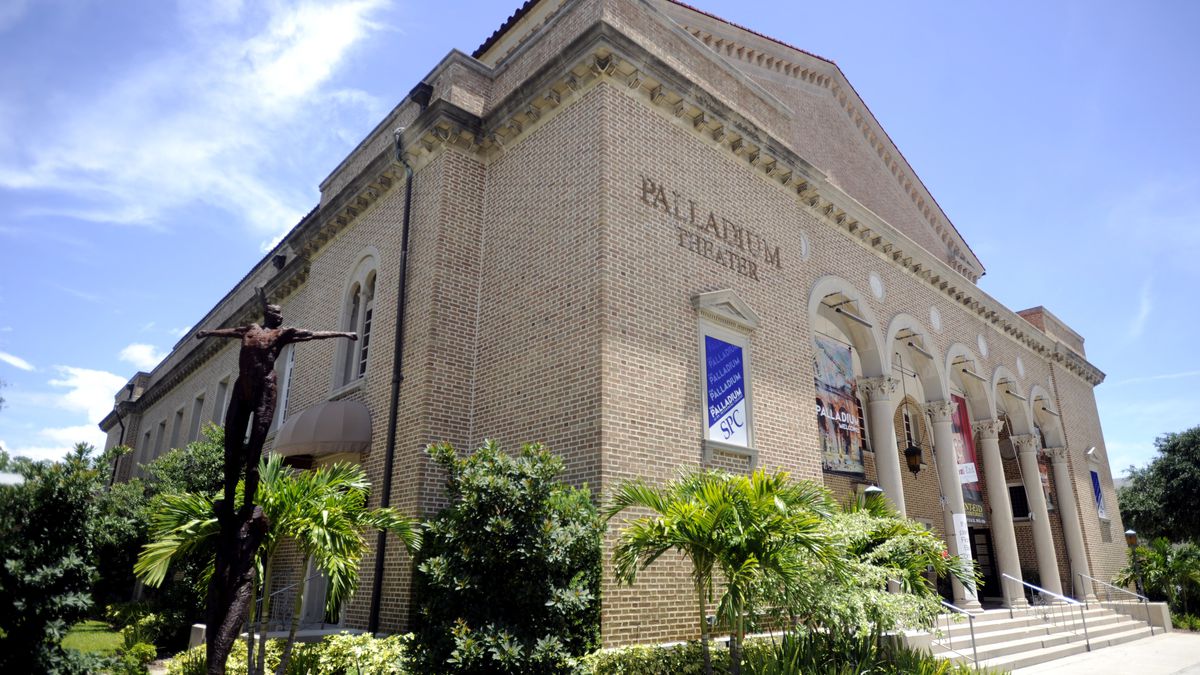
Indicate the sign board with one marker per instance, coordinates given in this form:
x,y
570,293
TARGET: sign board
x,y
725,376
837,407
965,459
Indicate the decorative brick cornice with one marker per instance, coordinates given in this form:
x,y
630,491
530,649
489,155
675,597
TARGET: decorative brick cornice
x,y
865,122
603,54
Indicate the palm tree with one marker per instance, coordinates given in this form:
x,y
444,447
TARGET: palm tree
x,y
683,521
777,531
323,511
1169,571
753,529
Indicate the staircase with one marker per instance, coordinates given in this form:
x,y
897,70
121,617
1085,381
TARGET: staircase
x,y
1006,640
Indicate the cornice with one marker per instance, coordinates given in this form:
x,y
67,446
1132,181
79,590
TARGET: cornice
x,y
863,120
604,54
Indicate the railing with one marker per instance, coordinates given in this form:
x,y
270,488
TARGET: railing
x,y
1061,612
948,645
1129,595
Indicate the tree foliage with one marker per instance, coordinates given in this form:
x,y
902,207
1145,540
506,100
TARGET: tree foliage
x,y
783,552
46,542
1161,500
1168,572
323,511
508,579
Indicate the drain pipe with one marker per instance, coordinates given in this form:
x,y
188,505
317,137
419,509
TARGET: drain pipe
x,y
420,94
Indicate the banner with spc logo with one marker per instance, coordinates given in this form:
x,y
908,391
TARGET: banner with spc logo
x,y
837,408
724,367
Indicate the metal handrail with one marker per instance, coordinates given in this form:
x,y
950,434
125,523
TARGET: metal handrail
x,y
1141,599
971,623
1071,602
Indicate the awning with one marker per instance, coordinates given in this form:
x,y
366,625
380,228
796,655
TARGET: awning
x,y
325,429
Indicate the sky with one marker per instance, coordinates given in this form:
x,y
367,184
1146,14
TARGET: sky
x,y
152,151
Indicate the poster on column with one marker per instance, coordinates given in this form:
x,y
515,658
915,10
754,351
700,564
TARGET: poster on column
x,y
726,397
964,457
837,408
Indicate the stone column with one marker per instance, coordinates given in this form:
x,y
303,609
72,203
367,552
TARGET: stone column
x,y
881,406
1004,536
1028,447
942,413
1068,512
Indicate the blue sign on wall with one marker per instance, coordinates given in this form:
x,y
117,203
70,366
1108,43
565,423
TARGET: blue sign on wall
x,y
1099,496
726,387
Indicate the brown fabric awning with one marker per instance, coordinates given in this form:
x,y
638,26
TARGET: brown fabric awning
x,y
325,429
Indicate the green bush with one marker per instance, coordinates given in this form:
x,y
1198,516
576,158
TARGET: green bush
x,y
351,654
342,654
1186,622
134,659
45,551
121,614
807,653
508,578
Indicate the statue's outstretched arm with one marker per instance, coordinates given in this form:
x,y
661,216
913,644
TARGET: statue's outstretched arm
x,y
222,332
301,335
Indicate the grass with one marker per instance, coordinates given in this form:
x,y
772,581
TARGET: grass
x,y
93,636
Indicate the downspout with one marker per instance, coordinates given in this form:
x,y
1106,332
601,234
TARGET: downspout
x,y
120,441
420,94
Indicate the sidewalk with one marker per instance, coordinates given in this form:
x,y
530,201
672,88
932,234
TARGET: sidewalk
x,y
1174,653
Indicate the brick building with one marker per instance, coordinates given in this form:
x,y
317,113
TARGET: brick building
x,y
651,239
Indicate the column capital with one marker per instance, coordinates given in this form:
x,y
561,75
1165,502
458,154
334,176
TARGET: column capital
x,y
881,388
1026,443
941,411
989,428
1058,455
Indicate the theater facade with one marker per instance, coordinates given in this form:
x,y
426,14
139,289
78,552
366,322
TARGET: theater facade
x,y
653,239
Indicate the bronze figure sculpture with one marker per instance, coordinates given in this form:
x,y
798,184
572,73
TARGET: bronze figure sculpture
x,y
251,408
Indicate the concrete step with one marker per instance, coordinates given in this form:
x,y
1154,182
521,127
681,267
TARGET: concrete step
x,y
1029,645
962,628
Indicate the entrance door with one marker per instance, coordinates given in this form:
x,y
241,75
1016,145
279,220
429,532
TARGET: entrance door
x,y
981,551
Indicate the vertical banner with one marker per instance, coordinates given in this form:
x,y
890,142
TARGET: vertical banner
x,y
726,387
1099,494
962,540
837,408
964,457
1044,469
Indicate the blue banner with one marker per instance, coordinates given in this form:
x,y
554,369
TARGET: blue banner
x,y
1099,494
726,387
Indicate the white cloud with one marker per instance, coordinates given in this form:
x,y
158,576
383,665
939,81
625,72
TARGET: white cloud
x,y
141,356
16,361
1145,306
1156,378
179,332
243,94
90,392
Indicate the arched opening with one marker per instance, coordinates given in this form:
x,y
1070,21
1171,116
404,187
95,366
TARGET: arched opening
x,y
845,353
358,312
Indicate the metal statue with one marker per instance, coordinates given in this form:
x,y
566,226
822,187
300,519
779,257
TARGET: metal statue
x,y
251,409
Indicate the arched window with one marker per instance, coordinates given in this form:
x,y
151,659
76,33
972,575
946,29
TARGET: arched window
x,y
358,317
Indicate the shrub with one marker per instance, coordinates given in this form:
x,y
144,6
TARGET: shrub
x,y
508,578
45,573
352,654
1186,622
342,654
134,659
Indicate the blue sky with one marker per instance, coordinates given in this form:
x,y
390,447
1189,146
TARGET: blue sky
x,y
151,150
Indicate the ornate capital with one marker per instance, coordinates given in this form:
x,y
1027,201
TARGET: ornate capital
x,y
1058,455
878,388
988,429
1026,443
941,411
